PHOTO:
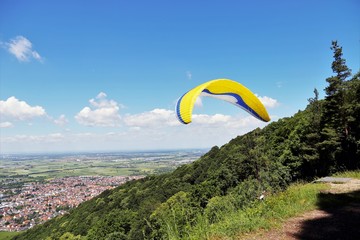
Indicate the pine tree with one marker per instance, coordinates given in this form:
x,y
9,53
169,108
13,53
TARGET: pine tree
x,y
334,114
334,127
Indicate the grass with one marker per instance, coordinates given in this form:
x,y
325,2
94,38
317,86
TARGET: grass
x,y
271,212
7,235
348,174
266,214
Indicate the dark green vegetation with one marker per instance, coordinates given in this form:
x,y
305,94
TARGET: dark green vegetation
x,y
322,139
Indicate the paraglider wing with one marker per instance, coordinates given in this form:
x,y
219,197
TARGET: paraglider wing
x,y
224,89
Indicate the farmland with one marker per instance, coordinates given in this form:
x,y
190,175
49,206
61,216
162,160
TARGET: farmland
x,y
38,167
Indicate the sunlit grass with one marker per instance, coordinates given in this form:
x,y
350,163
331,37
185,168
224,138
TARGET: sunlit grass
x,y
265,214
271,212
348,174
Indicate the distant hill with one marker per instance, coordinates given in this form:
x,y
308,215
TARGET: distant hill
x,y
323,138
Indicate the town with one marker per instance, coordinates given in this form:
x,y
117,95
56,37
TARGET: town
x,y
36,202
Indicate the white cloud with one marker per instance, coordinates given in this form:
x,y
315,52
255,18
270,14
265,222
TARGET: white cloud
x,y
22,49
101,95
37,56
54,137
155,118
159,131
19,110
156,129
101,102
198,102
23,138
210,119
61,121
268,101
6,124
188,75
163,118
219,122
102,113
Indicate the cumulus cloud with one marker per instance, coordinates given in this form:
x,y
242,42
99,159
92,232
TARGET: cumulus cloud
x,y
22,49
220,122
268,101
102,112
15,109
61,121
163,118
211,119
6,124
155,118
159,128
155,129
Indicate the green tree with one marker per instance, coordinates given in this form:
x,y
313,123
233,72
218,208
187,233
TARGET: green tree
x,y
311,137
334,114
351,136
173,217
334,125
69,236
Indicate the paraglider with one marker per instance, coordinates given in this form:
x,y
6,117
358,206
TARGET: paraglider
x,y
224,89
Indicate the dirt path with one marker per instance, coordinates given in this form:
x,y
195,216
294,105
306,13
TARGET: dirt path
x,y
330,221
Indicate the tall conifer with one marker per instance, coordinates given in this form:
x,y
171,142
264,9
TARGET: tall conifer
x,y
333,120
334,114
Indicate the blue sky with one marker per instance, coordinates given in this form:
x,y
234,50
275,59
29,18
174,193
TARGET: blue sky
x,y
105,75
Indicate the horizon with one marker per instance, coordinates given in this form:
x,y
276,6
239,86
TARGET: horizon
x,y
89,76
106,152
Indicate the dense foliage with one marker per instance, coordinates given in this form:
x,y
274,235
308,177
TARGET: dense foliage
x,y
322,139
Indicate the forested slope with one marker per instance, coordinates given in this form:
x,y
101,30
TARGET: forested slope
x,y
323,138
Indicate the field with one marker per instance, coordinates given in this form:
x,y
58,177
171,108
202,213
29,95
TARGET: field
x,y
38,167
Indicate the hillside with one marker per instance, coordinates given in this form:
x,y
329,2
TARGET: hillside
x,y
323,138
128,207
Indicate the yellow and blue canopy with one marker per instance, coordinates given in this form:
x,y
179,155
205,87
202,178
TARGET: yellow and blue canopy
x,y
224,89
